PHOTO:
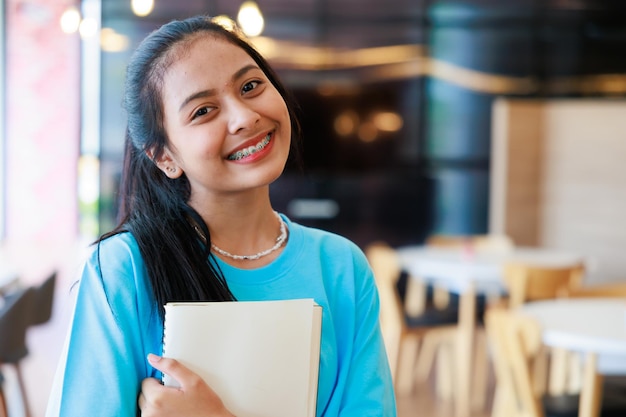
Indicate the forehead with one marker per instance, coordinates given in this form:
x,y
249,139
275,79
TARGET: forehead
x,y
202,40
201,63
204,61
207,53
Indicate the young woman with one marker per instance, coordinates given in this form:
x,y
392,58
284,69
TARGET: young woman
x,y
209,129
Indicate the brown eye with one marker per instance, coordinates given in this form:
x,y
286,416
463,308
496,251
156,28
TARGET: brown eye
x,y
249,86
201,112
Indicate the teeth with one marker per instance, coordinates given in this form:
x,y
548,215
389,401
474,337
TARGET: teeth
x,y
250,149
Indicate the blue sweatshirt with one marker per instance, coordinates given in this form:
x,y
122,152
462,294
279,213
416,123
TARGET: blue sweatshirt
x,y
115,325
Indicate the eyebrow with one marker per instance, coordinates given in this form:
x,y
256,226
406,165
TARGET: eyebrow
x,y
210,92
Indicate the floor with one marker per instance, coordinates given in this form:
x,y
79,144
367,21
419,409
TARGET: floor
x,y
45,344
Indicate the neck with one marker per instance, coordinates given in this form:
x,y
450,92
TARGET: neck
x,y
243,222
244,234
279,242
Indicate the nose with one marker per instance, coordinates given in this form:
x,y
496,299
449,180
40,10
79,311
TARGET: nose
x,y
241,116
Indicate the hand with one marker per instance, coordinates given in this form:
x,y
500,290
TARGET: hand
x,y
193,398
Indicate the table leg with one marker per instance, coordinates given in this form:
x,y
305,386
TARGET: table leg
x,y
591,391
465,351
559,367
415,302
480,364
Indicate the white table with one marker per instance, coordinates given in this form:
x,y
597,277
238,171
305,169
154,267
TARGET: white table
x,y
468,273
595,327
459,269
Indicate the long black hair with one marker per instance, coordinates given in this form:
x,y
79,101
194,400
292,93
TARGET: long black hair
x,y
154,207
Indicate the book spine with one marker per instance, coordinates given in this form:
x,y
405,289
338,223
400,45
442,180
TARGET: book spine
x,y
164,341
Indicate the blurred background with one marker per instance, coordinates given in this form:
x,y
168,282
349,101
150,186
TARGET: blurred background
x,y
396,101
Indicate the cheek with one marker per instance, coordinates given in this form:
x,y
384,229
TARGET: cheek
x,y
207,149
285,111
195,150
285,121
279,108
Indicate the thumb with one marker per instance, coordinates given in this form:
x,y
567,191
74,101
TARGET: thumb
x,y
173,368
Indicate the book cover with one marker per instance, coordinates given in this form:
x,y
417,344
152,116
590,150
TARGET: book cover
x,y
260,357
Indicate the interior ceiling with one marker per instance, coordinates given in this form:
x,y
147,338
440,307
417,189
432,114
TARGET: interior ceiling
x,y
315,42
337,23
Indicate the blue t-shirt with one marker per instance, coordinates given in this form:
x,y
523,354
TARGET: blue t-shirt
x,y
115,325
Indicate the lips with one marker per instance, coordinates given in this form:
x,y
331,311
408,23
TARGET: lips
x,y
250,150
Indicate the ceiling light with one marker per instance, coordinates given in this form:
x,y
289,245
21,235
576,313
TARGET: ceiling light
x,y
142,8
346,123
367,132
70,20
388,121
250,19
88,27
111,41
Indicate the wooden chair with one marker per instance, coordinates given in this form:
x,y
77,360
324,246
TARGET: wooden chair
x,y
526,282
515,343
481,243
471,243
23,308
44,297
567,375
403,334
612,289
15,317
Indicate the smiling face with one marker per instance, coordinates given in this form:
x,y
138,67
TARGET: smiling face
x,y
228,127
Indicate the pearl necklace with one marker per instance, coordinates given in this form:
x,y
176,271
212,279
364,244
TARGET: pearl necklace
x,y
280,240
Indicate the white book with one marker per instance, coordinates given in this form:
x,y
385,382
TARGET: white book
x,y
260,357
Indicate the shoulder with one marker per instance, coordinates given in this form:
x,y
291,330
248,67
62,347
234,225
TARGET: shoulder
x,y
115,282
327,242
116,264
331,250
116,251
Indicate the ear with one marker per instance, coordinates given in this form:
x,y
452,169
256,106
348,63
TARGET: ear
x,y
166,163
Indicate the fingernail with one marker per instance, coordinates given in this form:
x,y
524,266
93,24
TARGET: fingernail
x,y
152,358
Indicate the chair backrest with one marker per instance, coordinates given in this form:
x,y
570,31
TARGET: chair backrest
x,y
44,297
515,342
15,317
481,243
529,282
385,265
612,289
486,242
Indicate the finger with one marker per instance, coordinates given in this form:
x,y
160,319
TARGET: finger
x,y
173,368
150,384
141,401
153,395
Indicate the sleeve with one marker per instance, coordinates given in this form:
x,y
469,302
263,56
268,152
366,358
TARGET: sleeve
x,y
369,385
103,361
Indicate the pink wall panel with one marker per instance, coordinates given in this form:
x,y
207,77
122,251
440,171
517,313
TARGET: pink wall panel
x,y
42,122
